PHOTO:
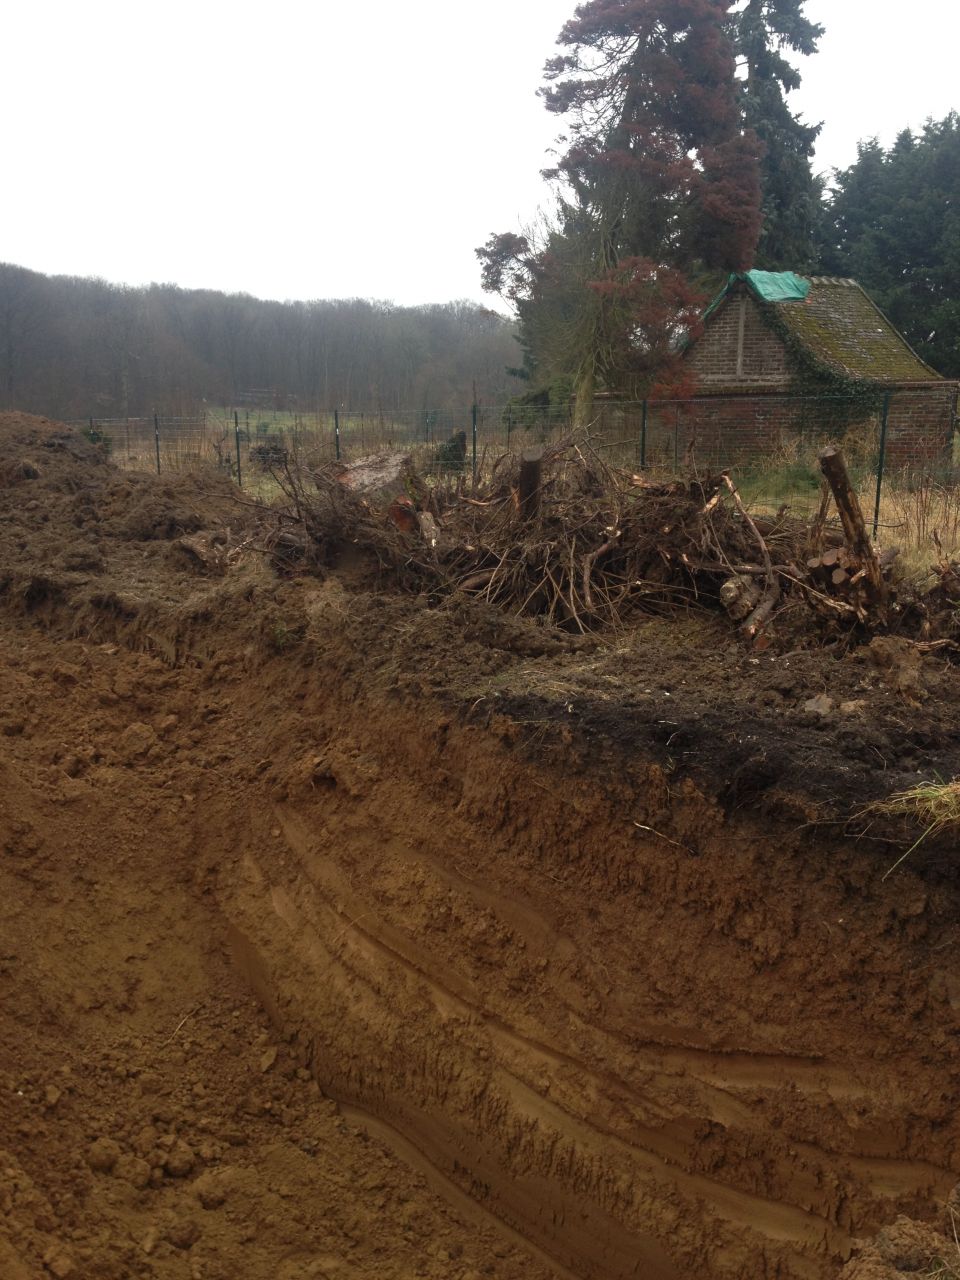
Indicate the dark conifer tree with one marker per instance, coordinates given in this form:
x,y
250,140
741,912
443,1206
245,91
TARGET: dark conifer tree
x,y
893,223
659,182
763,32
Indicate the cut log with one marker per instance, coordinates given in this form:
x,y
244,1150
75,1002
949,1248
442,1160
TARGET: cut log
x,y
851,517
740,595
378,473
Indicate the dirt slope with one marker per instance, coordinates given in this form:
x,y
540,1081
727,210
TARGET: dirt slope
x,y
572,932
154,1122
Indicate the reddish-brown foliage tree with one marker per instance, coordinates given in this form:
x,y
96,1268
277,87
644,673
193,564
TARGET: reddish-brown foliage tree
x,y
651,310
660,184
657,148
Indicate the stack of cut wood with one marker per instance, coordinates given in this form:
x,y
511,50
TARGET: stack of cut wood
x,y
851,577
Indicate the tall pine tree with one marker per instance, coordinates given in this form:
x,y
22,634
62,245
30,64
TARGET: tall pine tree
x,y
660,181
763,32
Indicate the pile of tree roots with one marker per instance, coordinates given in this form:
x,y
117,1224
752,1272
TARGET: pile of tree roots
x,y
560,536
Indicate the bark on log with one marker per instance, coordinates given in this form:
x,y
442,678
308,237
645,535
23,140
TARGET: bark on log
x,y
851,517
531,474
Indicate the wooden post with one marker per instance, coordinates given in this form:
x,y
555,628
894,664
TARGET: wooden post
x,y
851,517
531,471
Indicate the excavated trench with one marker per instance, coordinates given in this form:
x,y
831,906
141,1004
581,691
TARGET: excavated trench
x,y
599,969
644,1036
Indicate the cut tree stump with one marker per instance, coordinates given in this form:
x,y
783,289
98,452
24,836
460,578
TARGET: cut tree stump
x,y
834,467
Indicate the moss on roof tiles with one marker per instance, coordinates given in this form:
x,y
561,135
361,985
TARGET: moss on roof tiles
x,y
841,327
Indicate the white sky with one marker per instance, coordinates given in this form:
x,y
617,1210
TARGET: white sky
x,y
335,149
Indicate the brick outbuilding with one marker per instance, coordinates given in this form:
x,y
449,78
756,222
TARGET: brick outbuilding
x,y
771,336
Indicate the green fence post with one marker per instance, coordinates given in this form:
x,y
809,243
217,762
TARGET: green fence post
x,y
156,436
473,418
881,461
236,429
336,431
643,437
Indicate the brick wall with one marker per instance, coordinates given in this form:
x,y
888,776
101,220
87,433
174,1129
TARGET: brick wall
x,y
726,431
744,430
721,357
920,425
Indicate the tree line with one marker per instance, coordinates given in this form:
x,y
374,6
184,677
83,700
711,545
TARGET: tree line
x,y
681,161
72,347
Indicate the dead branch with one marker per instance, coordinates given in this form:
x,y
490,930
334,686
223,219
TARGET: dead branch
x,y
772,594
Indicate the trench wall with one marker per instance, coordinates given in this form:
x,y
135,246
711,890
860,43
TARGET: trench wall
x,y
650,1040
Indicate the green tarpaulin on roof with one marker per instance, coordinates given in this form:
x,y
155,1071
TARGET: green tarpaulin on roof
x,y
769,286
777,286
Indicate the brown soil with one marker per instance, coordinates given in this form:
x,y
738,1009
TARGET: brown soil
x,y
345,935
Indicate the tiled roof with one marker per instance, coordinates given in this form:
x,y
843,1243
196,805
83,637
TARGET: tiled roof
x,y
839,326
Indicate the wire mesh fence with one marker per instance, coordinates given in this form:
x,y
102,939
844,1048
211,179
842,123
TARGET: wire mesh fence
x,y
768,442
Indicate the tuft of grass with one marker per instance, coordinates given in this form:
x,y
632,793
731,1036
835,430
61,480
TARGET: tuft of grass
x,y
933,805
947,1268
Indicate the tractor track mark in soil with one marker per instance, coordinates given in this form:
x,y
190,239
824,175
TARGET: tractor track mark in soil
x,y
367,943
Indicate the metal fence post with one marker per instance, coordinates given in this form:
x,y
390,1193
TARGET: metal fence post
x,y
156,435
336,431
643,437
236,428
473,418
881,461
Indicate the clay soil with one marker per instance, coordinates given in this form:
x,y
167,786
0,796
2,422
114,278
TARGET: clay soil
x,y
345,933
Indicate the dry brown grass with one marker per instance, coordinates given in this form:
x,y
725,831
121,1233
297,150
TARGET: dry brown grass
x,y
935,806
917,511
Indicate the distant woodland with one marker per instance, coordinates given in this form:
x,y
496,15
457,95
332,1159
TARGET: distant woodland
x,y
72,348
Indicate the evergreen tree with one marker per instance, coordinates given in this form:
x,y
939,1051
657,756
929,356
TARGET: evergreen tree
x,y
657,155
681,153
762,32
893,223
660,181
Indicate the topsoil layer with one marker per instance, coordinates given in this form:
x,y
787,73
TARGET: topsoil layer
x,y
320,903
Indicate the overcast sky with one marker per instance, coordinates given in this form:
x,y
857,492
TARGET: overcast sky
x,y
334,149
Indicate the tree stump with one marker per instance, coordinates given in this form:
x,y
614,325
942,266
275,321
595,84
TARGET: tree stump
x,y
833,466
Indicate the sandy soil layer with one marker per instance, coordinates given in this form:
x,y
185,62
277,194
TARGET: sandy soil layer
x,y
346,935
154,1121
